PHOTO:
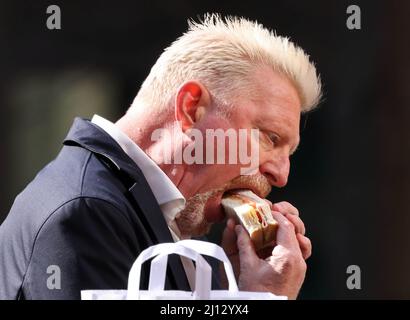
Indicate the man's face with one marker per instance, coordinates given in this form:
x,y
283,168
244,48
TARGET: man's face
x,y
276,114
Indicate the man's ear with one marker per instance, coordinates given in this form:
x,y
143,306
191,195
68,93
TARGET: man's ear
x,y
191,103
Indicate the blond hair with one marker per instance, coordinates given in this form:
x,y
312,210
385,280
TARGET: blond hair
x,y
222,53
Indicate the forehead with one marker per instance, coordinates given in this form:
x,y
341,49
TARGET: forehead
x,y
273,100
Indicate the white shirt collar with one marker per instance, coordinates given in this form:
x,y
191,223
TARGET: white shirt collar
x,y
166,193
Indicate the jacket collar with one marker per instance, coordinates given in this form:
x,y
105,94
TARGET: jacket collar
x,y
89,136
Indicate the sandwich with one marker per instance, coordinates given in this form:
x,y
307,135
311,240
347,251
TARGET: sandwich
x,y
254,214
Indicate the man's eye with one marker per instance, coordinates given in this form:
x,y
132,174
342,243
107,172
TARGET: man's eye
x,y
273,137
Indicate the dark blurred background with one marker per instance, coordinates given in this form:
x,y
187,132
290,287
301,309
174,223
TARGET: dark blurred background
x,y
350,178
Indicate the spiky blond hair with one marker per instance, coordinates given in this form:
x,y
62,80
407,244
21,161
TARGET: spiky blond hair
x,y
222,53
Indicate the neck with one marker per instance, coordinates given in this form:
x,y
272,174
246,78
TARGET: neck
x,y
139,127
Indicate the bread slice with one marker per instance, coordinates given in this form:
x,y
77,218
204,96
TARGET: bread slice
x,y
254,214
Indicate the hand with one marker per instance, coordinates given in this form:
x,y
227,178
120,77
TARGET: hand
x,y
292,214
283,272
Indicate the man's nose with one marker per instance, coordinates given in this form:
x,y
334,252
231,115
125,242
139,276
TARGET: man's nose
x,y
277,172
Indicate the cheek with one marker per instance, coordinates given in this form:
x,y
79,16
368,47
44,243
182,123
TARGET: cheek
x,y
221,151
225,172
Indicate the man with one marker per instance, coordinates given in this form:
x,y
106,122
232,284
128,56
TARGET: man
x,y
113,190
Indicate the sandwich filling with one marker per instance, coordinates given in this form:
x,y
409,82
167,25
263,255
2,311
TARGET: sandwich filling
x,y
254,214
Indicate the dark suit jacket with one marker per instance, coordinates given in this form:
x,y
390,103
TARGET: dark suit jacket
x,y
90,212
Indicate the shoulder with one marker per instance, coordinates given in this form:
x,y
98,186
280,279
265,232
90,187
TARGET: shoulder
x,y
90,241
85,207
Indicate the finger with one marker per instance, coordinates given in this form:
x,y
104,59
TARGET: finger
x,y
305,246
285,235
285,207
229,238
245,246
297,222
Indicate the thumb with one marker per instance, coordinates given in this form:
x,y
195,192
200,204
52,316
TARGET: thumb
x,y
285,236
245,246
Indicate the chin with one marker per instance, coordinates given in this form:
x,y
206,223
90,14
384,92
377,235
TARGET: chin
x,y
194,228
199,214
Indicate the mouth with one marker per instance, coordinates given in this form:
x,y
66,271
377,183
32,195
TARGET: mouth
x,y
260,188
259,193
214,208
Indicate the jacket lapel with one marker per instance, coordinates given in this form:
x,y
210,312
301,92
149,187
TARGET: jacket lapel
x,y
143,195
85,134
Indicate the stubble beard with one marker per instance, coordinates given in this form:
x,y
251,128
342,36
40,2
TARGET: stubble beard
x,y
191,220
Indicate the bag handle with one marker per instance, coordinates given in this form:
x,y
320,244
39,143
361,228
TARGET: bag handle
x,y
203,275
215,251
189,248
158,269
